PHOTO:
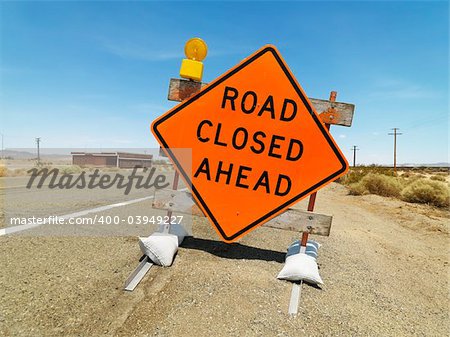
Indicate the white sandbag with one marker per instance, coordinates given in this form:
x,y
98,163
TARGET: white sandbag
x,y
300,267
160,248
175,229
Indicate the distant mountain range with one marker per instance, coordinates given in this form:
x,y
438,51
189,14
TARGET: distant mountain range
x,y
18,154
29,155
443,164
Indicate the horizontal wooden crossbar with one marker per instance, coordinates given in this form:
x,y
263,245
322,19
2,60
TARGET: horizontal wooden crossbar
x,y
302,221
336,113
292,220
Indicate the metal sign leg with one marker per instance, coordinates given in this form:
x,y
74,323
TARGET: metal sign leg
x,y
138,274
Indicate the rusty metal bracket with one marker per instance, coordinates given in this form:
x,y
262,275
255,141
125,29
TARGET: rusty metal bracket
x,y
329,116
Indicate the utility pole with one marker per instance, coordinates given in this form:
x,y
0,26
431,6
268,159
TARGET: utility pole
x,y
38,140
395,134
354,149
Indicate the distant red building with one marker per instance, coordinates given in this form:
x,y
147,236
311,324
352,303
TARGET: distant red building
x,y
112,159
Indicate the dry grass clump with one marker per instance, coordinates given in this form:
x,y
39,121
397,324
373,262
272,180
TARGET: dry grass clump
x,y
72,169
406,174
357,189
19,172
356,174
438,178
5,172
352,177
426,191
375,183
410,186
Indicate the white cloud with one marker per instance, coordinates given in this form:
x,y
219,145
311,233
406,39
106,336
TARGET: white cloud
x,y
131,50
342,136
388,88
142,50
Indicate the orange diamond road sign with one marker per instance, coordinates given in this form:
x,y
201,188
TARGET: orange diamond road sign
x,y
257,144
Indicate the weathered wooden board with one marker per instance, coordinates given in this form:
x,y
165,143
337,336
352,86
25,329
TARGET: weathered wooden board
x,y
302,221
336,113
180,90
292,219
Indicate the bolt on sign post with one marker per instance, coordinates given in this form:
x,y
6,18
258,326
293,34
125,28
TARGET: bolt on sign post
x,y
258,145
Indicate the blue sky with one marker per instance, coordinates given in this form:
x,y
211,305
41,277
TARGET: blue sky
x,y
95,74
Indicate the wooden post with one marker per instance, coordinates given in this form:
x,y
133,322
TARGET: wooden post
x,y
312,197
297,288
304,239
180,90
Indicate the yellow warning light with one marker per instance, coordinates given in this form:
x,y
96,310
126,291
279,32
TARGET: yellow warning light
x,y
192,67
196,49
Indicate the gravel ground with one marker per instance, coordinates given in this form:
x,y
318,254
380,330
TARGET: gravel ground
x,y
385,268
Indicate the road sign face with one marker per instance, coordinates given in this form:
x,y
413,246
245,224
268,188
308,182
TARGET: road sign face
x,y
257,144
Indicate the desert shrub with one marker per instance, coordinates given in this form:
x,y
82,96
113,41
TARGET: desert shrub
x,y
357,189
380,184
18,172
356,174
438,178
427,192
353,176
5,172
72,169
387,171
414,178
406,175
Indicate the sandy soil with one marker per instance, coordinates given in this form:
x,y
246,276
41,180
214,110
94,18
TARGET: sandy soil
x,y
385,268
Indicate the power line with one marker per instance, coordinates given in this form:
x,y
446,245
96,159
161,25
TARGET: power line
x,y
354,149
426,121
395,134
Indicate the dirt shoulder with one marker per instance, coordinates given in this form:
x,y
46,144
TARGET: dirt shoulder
x,y
385,268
